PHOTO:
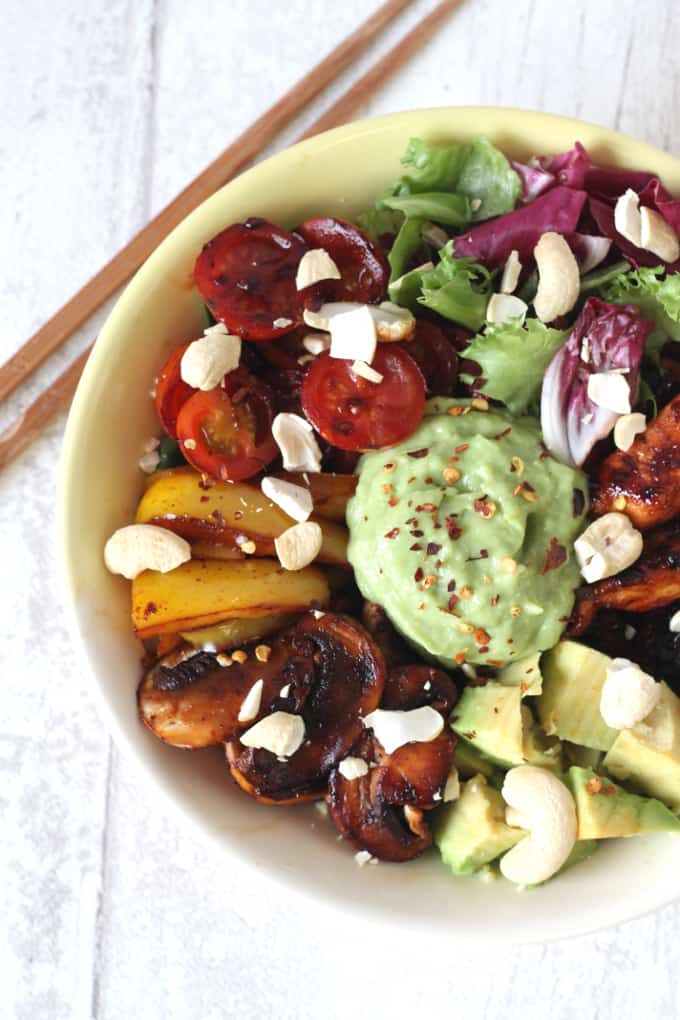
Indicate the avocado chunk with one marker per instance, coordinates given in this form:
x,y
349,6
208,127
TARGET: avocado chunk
x,y
584,757
648,755
525,673
606,811
569,706
490,719
470,762
471,831
494,721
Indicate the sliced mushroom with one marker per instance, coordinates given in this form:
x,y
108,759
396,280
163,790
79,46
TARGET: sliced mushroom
x,y
393,647
382,811
189,699
342,673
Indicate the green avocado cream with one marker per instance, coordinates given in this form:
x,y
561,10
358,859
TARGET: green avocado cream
x,y
464,534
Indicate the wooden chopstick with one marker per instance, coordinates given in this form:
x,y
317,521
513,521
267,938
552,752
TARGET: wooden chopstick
x,y
251,142
57,397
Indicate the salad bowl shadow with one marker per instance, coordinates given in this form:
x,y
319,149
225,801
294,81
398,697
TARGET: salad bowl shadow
x,y
337,173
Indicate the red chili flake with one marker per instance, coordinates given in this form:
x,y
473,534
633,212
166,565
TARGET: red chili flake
x,y
483,650
484,553
494,662
494,600
417,454
555,556
452,528
416,547
392,534
462,448
610,791
437,564
453,602
578,502
471,734
459,658
419,574
429,481
410,503
451,586
505,432
365,517
410,480
205,482
432,548
417,534
426,508
481,637
218,516
496,709
523,687
421,606
485,507
205,499
594,785
392,501
544,455
149,609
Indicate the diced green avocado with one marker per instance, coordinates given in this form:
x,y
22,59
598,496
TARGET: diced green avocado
x,y
471,831
569,706
525,673
469,761
648,755
538,749
583,849
584,757
489,718
606,811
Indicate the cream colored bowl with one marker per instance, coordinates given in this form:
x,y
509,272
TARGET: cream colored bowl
x,y
338,173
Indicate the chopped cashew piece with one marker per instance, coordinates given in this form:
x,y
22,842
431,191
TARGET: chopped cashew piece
x,y
395,728
366,372
140,547
392,322
607,546
363,857
627,218
658,236
149,461
452,788
353,335
295,438
316,343
559,279
504,307
610,390
511,272
294,500
299,545
627,428
206,361
314,266
538,801
250,705
281,733
353,768
628,695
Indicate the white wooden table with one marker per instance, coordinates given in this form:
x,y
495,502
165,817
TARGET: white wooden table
x,y
108,909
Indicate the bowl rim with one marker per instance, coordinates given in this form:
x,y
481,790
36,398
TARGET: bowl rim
x,y
153,778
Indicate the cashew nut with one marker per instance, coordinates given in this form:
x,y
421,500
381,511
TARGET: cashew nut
x,y
294,500
299,545
627,428
206,361
353,335
607,546
314,266
539,802
609,390
658,236
628,695
295,438
559,280
139,547
504,307
393,729
281,733
627,216
392,322
511,273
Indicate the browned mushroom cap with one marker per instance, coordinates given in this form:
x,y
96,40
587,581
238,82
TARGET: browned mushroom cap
x,y
412,686
382,812
343,674
189,700
393,647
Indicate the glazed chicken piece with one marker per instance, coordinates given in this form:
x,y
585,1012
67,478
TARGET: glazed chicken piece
x,y
644,482
652,581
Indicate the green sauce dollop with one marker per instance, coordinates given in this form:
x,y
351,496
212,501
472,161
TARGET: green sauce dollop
x,y
464,534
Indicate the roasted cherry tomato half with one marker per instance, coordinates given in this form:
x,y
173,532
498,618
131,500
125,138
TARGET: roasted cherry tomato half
x,y
436,358
227,432
363,267
172,392
354,414
246,276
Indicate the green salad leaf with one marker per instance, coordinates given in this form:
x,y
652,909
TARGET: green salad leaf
x,y
513,358
407,244
406,289
477,170
377,221
658,298
457,289
440,206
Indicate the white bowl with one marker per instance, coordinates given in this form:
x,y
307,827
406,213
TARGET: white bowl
x,y
338,173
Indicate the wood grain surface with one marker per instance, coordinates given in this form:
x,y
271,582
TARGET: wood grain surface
x,y
109,908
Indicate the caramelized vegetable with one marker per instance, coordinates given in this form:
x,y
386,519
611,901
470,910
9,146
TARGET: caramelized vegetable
x,y
653,581
223,515
382,811
204,592
336,676
644,482
391,644
330,492
234,633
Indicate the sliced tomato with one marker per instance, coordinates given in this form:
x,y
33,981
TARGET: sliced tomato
x,y
171,391
363,267
436,358
246,276
354,414
227,432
